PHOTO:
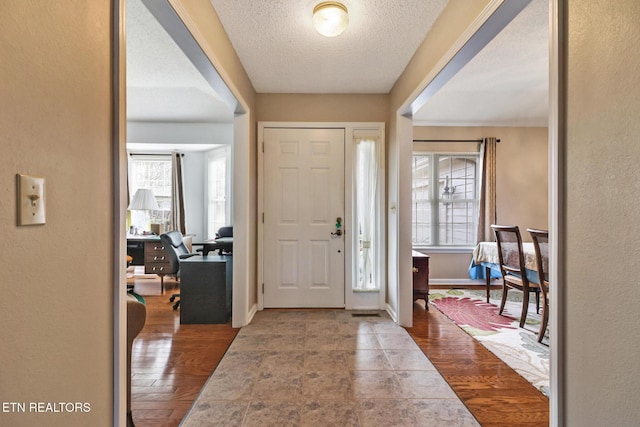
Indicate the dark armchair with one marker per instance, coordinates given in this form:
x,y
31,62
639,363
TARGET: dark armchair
x,y
176,250
223,242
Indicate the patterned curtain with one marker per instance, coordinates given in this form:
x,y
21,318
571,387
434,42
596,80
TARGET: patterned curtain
x,y
487,207
176,220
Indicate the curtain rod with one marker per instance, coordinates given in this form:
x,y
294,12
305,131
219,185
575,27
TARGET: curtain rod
x,y
451,140
155,154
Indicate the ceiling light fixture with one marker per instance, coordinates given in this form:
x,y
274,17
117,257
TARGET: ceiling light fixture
x,y
330,18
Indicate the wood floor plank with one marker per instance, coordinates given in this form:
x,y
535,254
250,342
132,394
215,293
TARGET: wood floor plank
x,y
494,393
171,362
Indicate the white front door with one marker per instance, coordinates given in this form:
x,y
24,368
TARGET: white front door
x,y
303,199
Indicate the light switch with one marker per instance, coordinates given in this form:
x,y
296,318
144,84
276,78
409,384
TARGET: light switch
x,y
30,200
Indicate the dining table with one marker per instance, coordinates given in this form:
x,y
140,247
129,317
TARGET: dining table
x,y
485,256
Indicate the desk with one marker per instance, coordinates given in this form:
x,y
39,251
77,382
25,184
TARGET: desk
x,y
221,244
205,289
486,255
147,250
136,245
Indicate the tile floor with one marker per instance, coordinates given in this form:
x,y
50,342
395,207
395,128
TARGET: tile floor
x,y
326,368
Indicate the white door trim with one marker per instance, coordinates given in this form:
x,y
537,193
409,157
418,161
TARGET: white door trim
x,y
556,128
119,189
349,128
557,223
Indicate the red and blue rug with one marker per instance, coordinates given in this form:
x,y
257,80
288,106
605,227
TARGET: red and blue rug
x,y
517,347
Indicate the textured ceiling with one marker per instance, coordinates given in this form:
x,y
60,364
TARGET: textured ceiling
x,y
504,85
282,53
162,84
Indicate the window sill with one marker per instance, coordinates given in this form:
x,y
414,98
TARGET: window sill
x,y
366,291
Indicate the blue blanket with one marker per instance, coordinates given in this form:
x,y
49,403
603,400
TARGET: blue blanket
x,y
479,272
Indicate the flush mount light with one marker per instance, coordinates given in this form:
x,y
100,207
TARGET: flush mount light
x,y
330,18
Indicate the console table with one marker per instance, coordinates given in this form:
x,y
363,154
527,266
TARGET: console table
x,y
421,277
205,289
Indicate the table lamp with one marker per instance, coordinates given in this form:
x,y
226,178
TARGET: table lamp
x,y
144,200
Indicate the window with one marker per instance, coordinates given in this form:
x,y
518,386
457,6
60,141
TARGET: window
x,y
218,207
154,173
444,199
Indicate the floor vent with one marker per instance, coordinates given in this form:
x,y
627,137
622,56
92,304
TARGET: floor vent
x,y
365,314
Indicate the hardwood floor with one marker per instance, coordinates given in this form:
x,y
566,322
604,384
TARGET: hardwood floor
x,y
494,393
171,363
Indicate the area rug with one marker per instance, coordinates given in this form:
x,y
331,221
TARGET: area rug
x,y
500,334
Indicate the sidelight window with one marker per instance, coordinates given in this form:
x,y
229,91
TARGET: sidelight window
x,y
367,212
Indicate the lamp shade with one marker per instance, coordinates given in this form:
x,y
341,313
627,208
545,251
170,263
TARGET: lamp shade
x,y
143,200
330,18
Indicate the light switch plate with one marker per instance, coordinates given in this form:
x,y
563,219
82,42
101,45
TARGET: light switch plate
x,y
30,200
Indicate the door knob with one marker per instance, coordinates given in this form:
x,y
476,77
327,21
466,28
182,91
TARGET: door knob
x,y
338,231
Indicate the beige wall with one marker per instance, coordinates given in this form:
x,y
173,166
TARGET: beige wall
x,y
602,259
522,178
203,22
322,108
56,285
57,279
56,108
457,16
521,181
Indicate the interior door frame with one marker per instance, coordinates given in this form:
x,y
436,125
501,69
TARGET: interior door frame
x,y
119,190
399,260
243,207
350,242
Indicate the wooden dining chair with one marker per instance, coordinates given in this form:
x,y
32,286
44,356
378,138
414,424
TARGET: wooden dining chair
x,y
514,275
540,240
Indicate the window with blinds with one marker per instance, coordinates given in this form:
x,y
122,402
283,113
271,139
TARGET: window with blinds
x,y
152,172
444,199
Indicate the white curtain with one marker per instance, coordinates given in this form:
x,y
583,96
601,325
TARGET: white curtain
x,y
176,220
366,182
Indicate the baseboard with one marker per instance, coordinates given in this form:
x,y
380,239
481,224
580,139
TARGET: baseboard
x,y
392,313
364,308
252,312
463,283
455,282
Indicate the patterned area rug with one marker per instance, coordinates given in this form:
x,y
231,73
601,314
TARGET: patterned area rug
x,y
517,347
